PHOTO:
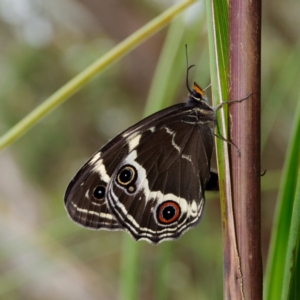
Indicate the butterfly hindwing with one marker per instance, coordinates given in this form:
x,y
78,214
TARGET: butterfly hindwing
x,y
85,198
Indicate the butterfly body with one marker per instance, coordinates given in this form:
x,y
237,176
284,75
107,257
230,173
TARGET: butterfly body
x,y
150,179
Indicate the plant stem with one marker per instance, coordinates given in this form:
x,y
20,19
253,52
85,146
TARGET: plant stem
x,y
244,78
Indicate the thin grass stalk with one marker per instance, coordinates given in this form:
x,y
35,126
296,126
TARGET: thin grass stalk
x,y
218,37
130,269
274,103
291,288
244,78
282,273
90,72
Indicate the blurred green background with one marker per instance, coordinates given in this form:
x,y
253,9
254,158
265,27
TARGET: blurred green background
x,y
43,44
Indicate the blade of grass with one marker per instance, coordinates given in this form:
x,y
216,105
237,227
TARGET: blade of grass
x,y
161,93
291,288
81,79
171,66
218,42
285,234
275,101
130,267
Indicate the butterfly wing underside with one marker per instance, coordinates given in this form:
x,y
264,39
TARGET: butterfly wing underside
x,y
80,202
170,168
149,180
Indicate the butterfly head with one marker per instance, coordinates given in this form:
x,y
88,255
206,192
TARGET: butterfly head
x,y
197,94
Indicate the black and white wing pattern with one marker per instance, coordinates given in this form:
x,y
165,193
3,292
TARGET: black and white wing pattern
x,y
150,179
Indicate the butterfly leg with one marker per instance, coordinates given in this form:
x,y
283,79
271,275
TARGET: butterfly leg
x,y
230,102
218,135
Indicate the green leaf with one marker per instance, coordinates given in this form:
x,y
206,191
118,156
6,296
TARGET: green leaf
x,y
217,15
282,275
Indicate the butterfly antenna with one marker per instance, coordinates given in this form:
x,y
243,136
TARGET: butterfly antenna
x,y
187,70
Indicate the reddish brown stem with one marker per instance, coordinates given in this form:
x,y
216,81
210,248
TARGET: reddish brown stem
x,y
244,78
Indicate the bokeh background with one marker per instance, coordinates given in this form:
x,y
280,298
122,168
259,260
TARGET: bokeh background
x,y
43,44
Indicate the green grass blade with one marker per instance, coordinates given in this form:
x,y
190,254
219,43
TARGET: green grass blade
x,y
218,41
281,269
130,267
217,15
85,76
276,100
217,18
291,288
161,93
171,66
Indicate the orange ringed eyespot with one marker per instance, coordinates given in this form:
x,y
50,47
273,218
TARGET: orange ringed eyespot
x,y
168,212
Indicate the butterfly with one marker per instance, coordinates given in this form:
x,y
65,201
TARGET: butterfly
x,y
150,179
